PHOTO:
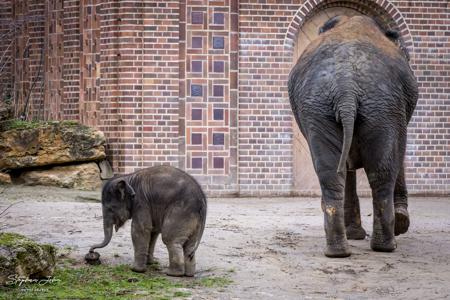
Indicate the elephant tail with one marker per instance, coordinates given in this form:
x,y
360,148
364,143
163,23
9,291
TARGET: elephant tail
x,y
202,213
346,113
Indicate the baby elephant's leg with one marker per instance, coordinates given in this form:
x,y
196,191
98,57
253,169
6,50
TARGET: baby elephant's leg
x,y
151,247
180,233
176,257
189,255
141,237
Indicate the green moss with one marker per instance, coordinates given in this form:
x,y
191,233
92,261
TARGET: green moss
x,y
10,239
25,247
22,125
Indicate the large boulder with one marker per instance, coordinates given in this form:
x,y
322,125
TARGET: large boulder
x,y
23,257
82,177
5,178
25,145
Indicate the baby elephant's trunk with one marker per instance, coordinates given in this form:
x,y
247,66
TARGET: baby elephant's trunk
x,y
108,228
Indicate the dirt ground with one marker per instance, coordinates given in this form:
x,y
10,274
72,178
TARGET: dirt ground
x,y
270,247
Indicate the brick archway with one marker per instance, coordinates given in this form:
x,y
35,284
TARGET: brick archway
x,y
381,10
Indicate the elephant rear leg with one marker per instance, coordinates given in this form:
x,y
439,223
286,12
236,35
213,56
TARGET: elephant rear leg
x,y
178,228
325,152
382,168
176,258
352,213
383,212
189,256
401,204
189,249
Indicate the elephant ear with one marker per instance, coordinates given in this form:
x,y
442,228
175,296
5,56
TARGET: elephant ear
x,y
125,189
127,193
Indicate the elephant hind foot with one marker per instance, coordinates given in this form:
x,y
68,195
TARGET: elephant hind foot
x,y
401,220
383,247
355,232
380,244
189,265
338,251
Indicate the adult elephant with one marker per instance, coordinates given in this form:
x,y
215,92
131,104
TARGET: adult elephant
x,y
353,93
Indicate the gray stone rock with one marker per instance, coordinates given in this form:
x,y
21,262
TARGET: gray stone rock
x,y
5,178
25,144
82,177
21,257
106,172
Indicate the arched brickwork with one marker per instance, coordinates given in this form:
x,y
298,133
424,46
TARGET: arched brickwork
x,y
381,10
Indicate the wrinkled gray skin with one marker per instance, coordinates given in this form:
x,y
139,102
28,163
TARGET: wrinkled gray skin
x,y
353,93
159,199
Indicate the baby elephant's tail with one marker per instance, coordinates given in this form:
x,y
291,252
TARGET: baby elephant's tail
x,y
202,213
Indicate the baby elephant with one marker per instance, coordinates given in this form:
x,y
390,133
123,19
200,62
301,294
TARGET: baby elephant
x,y
159,199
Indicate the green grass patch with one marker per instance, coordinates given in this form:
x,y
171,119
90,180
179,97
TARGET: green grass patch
x,y
213,282
23,125
97,282
72,281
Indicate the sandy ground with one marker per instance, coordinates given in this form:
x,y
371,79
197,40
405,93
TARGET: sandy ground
x,y
270,247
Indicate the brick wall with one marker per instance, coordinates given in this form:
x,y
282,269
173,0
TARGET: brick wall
x,y
209,92
202,84
71,71
139,82
428,150
6,48
265,118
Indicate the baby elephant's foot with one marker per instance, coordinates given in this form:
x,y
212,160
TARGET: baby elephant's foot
x,y
139,268
335,250
401,220
189,266
152,261
355,232
175,271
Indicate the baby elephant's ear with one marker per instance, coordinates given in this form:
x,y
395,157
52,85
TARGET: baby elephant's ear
x,y
125,188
